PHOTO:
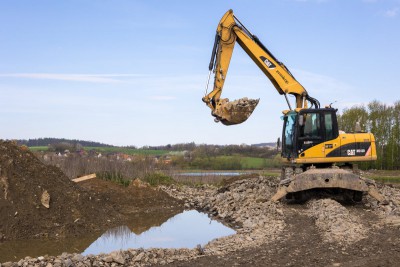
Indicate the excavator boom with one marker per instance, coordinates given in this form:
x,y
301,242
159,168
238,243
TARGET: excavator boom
x,y
229,32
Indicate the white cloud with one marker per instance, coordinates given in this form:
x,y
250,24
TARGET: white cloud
x,y
391,13
91,78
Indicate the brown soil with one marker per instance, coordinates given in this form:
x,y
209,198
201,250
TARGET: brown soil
x,y
74,209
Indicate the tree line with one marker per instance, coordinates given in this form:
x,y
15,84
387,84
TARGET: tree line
x,y
383,120
54,141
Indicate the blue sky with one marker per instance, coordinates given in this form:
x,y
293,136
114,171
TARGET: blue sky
x,y
134,72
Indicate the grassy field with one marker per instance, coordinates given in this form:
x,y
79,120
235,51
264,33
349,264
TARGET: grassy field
x,y
258,163
129,151
384,176
38,148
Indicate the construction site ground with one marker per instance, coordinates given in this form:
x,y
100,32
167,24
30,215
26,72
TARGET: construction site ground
x,y
320,232
302,245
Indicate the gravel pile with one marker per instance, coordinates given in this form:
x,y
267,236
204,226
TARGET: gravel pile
x,y
335,223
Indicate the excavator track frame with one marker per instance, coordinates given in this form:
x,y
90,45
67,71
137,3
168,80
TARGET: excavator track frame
x,y
295,183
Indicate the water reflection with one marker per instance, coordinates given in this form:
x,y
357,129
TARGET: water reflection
x,y
210,173
185,230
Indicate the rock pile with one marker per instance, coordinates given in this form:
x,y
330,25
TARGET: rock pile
x,y
335,222
389,213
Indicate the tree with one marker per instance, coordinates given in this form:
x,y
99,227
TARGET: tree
x,y
350,117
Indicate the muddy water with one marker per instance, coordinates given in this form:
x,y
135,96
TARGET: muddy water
x,y
184,230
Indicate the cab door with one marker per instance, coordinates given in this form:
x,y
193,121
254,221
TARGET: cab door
x,y
311,132
332,142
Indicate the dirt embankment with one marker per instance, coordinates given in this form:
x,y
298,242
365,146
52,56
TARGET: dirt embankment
x,y
38,200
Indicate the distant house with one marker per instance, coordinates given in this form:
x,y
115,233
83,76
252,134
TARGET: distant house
x,y
124,157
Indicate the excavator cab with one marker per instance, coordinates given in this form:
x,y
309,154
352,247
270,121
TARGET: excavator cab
x,y
307,128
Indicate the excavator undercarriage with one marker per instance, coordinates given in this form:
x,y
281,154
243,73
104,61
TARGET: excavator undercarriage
x,y
299,185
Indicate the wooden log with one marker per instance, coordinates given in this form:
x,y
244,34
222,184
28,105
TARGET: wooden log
x,y
84,178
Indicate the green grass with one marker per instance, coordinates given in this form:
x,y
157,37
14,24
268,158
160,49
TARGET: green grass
x,y
383,179
113,177
252,163
129,151
38,148
385,176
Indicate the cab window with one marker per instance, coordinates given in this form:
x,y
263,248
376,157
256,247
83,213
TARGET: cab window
x,y
328,126
311,126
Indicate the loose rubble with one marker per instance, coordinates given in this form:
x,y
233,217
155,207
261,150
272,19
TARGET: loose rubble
x,y
335,222
390,213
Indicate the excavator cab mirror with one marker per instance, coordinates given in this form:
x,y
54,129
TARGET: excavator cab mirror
x,y
301,120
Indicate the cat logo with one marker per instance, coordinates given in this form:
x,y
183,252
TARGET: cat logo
x,y
269,64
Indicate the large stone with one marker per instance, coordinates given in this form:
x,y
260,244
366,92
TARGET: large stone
x,y
45,199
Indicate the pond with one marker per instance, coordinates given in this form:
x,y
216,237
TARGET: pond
x,y
184,230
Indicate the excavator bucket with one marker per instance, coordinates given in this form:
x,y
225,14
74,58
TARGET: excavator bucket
x,y
234,112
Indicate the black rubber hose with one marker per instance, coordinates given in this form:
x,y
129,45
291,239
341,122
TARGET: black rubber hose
x,y
214,52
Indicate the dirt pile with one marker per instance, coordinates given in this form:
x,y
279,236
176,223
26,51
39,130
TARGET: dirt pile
x,y
38,200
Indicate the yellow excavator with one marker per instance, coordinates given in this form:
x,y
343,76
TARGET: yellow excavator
x,y
315,154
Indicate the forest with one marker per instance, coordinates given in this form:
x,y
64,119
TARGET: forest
x,y
383,120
